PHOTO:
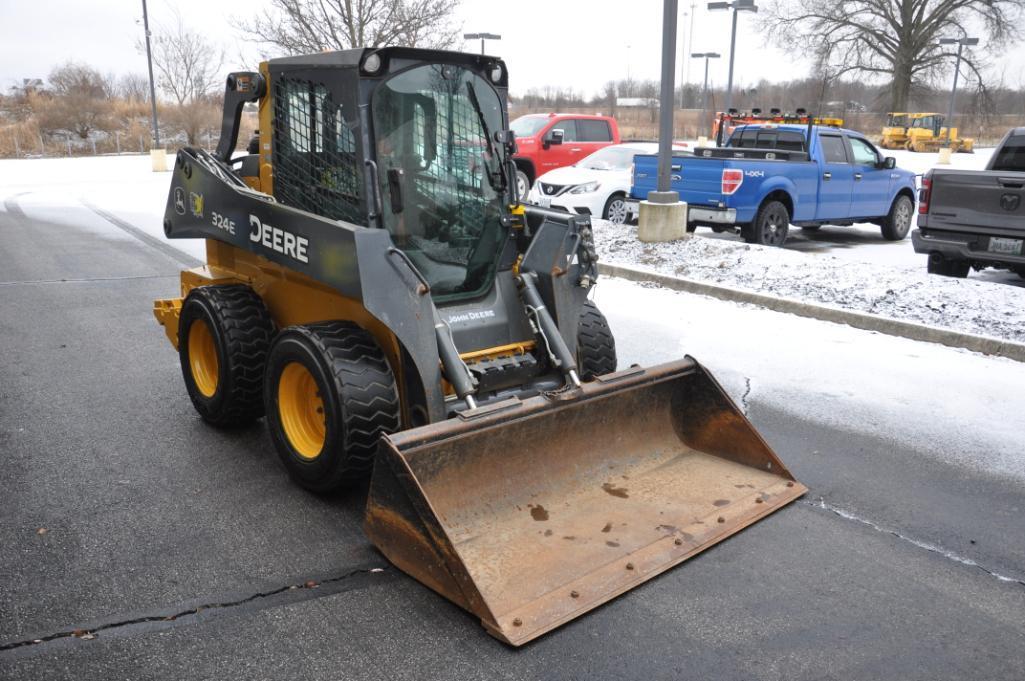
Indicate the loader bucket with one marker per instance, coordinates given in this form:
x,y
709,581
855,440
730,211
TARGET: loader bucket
x,y
530,513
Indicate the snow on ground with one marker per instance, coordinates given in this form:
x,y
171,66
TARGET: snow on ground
x,y
61,189
847,267
856,381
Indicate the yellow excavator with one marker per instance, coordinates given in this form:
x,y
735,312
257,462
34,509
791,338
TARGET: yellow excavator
x,y
375,290
928,133
895,132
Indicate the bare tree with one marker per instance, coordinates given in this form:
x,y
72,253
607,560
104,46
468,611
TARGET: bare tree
x,y
189,72
188,65
896,39
306,26
133,87
80,101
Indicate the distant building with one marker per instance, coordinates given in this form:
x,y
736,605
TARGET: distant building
x,y
640,102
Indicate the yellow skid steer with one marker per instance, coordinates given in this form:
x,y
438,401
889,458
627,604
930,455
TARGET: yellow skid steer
x,y
376,291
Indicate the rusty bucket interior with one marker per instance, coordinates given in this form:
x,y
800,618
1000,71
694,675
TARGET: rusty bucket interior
x,y
530,513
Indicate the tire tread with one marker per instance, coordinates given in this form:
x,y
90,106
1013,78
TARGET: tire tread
x,y
596,346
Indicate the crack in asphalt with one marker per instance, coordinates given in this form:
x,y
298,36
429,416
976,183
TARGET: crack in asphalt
x,y
91,633
932,548
747,393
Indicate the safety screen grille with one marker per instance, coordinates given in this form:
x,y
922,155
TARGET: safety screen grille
x,y
316,167
457,176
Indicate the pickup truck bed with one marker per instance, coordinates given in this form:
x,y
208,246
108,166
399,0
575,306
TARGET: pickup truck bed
x,y
975,219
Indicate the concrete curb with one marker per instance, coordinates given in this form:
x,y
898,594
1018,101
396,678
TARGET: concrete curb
x,y
859,320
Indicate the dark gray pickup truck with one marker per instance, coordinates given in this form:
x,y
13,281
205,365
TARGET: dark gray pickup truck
x,y
975,219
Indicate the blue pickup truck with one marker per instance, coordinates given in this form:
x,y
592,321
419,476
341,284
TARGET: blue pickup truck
x,y
768,177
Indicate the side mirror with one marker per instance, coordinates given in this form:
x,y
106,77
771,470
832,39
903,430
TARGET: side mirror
x,y
888,163
554,137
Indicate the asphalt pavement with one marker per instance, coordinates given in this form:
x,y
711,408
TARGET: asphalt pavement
x,y
174,550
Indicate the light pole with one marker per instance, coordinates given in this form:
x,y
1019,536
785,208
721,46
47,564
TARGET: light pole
x,y
152,89
683,59
482,37
704,92
736,6
960,42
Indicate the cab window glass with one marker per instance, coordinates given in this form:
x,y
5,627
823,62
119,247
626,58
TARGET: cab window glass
x,y
593,131
864,153
833,149
766,139
790,141
569,130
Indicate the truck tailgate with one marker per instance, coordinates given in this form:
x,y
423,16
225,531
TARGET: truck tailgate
x,y
991,202
698,180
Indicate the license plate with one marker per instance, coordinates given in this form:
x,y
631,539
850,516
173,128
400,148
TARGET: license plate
x,y
545,202
1000,245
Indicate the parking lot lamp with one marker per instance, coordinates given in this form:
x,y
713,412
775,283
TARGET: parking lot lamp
x,y
736,6
482,37
960,42
704,92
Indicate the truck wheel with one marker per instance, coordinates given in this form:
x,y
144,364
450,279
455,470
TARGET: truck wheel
x,y
770,226
596,346
522,185
224,333
329,395
615,209
937,264
898,221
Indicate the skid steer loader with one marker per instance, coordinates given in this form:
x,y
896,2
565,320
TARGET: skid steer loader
x,y
375,289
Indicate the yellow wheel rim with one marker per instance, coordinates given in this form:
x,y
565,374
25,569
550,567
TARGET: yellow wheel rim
x,y
301,410
203,358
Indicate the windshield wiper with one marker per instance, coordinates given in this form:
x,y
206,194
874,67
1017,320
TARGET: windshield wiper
x,y
498,181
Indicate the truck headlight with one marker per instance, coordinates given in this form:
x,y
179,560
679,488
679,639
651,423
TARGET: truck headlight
x,y
584,188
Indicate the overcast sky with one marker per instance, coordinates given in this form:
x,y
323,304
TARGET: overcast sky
x,y
577,43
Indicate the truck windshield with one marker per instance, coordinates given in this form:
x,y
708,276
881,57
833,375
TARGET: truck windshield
x,y
437,174
528,126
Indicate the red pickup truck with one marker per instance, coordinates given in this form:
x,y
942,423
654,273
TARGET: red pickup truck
x,y
545,142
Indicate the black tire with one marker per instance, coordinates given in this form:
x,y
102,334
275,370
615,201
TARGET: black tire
x,y
898,221
596,346
522,184
354,390
224,333
615,209
937,264
771,225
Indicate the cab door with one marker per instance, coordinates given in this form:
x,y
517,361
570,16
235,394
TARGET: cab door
x,y
559,155
836,178
592,134
870,196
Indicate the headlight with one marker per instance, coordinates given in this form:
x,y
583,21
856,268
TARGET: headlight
x,y
584,188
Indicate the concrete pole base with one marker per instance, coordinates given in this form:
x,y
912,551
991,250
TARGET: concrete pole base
x,y
944,156
158,157
662,221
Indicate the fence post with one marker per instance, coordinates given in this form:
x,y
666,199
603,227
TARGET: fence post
x,y
42,147
68,140
142,145
17,148
94,145
117,142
